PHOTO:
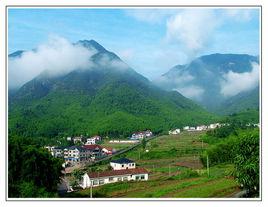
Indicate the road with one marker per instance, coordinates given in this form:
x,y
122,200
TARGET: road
x,y
70,169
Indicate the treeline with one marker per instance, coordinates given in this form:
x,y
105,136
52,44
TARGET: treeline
x,y
239,146
32,171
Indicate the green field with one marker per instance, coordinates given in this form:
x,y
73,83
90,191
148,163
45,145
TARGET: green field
x,y
175,171
117,146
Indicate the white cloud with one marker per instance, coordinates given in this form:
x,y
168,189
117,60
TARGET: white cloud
x,y
150,15
106,61
57,56
241,15
191,91
234,83
192,28
126,54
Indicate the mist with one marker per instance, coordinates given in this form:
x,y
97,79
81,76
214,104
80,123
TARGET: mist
x,y
57,56
235,83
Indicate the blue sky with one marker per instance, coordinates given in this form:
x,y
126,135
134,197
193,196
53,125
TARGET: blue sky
x,y
150,40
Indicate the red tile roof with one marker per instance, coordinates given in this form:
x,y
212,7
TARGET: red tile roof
x,y
108,148
92,147
118,172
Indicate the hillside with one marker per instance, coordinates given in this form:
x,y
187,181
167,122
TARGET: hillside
x,y
205,78
240,102
107,99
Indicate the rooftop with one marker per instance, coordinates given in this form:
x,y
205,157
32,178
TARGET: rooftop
x,y
122,161
92,147
117,172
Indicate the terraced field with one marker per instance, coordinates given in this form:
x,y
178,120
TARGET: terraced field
x,y
175,172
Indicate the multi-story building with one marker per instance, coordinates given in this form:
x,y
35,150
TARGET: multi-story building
x,y
76,154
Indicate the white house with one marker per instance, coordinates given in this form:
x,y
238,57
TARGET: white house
x,y
93,140
122,164
77,154
90,141
100,178
97,138
78,139
69,138
57,152
148,133
201,128
186,128
213,126
176,131
191,129
142,134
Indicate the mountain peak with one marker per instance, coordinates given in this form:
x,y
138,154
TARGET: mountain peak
x,y
92,44
18,53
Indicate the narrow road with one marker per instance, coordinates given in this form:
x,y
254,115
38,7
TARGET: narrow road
x,y
110,156
121,151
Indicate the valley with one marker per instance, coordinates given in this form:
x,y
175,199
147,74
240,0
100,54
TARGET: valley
x,y
175,171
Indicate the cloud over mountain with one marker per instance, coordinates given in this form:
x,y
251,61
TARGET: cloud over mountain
x,y
192,29
57,56
235,83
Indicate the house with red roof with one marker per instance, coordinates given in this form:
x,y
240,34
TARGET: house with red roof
x,y
112,176
108,150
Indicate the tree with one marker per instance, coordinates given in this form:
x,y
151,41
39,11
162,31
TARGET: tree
x,y
247,162
31,169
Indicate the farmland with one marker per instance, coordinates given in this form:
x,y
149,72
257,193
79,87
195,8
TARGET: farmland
x,y
175,171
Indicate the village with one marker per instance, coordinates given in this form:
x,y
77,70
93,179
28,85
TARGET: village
x,y
89,150
100,161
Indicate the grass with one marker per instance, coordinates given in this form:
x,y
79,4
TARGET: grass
x,y
117,146
198,187
175,171
215,188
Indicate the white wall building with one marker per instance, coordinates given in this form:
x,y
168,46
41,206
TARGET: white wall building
x,y
201,128
100,178
77,154
122,164
213,126
90,141
176,131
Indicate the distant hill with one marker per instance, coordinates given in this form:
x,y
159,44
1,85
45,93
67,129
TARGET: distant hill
x,y
201,80
107,99
240,102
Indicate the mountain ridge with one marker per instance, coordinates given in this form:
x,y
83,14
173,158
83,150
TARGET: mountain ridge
x,y
202,78
105,100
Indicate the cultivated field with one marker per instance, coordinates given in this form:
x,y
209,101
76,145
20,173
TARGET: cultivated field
x,y
175,172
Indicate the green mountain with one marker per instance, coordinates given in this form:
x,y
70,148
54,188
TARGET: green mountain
x,y
107,99
203,78
241,102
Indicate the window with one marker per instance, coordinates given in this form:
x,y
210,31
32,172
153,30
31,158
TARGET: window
x,y
124,178
95,182
119,179
101,181
142,177
122,165
137,177
111,178
132,164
